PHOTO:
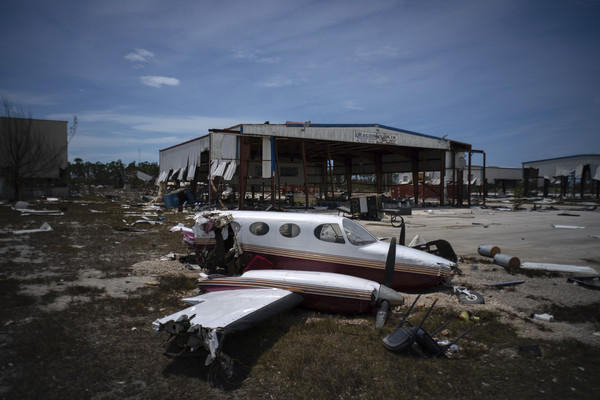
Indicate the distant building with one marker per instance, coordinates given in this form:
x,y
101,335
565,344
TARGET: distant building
x,y
497,180
572,176
45,159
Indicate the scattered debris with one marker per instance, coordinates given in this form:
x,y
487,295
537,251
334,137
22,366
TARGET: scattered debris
x,y
543,317
467,297
21,205
559,268
488,250
168,257
507,261
188,235
44,228
403,338
193,267
507,283
467,316
531,349
568,215
130,229
584,281
417,240
568,227
179,198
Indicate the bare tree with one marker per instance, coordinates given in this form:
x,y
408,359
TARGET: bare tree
x,y
26,151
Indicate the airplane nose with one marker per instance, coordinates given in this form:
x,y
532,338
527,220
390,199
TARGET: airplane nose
x,y
393,297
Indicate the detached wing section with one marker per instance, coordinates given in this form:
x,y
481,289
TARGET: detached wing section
x,y
215,314
231,310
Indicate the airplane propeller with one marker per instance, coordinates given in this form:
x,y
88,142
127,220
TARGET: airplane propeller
x,y
390,263
386,293
402,236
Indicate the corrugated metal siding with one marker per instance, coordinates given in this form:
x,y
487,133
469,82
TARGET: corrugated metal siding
x,y
184,155
370,134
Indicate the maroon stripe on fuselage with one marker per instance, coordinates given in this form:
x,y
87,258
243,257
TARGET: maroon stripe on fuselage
x,y
404,281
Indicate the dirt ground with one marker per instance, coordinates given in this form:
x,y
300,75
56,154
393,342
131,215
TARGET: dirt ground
x,y
94,252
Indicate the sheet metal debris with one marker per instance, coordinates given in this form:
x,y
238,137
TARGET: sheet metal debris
x,y
586,281
507,283
23,207
568,227
559,268
168,257
44,228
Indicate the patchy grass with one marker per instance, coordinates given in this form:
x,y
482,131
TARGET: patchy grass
x,y
106,348
583,313
11,299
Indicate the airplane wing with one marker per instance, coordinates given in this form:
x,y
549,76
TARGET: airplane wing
x,y
215,314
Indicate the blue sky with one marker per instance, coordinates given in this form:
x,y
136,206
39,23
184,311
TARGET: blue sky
x,y
518,79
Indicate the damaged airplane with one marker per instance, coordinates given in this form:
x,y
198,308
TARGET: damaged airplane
x,y
310,242
281,260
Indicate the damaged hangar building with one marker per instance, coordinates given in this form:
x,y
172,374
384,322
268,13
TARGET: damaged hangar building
x,y
303,162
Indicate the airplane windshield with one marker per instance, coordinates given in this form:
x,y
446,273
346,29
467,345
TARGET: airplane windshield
x,y
357,235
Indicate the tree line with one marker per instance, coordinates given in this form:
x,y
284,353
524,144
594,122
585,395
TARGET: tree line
x,y
113,173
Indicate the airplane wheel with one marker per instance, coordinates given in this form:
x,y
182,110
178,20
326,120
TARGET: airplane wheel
x,y
472,298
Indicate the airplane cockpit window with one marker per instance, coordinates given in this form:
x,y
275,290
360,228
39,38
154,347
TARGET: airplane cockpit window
x,y
329,233
289,230
357,234
236,226
259,228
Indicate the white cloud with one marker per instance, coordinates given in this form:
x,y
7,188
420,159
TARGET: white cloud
x,y
158,81
140,55
255,56
351,105
277,82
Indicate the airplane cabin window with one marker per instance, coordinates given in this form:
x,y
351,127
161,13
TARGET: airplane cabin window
x,y
259,228
329,233
289,230
357,234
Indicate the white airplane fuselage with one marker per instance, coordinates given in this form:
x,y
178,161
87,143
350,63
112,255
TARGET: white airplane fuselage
x,y
327,243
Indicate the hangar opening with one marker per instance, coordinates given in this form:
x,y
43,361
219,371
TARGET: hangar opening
x,y
308,165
